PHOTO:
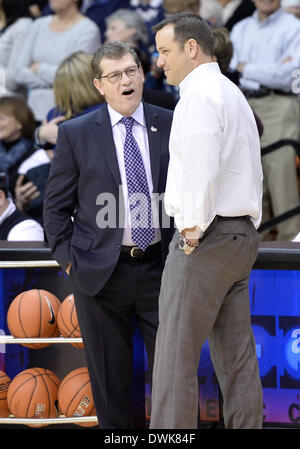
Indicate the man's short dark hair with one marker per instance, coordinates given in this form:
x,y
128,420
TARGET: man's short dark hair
x,y
112,50
188,25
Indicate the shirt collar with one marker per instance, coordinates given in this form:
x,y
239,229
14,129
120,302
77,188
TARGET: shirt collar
x,y
278,13
138,115
202,69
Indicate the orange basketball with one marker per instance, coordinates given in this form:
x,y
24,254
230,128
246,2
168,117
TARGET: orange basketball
x,y
33,394
67,320
4,383
75,395
33,314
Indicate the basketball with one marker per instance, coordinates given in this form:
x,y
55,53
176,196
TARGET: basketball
x,y
4,383
75,395
33,394
33,314
67,320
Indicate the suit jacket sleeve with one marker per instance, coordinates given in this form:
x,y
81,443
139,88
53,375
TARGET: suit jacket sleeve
x,y
61,199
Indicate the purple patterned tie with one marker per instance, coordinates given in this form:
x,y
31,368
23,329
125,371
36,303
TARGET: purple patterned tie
x,y
138,192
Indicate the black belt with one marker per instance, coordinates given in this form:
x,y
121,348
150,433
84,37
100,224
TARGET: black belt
x,y
242,217
136,252
264,92
220,218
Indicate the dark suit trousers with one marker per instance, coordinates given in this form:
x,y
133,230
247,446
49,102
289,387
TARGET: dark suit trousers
x,y
107,328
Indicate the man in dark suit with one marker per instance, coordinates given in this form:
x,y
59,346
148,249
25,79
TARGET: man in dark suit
x,y
104,228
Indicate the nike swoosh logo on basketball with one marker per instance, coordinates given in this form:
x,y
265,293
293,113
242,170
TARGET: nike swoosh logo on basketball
x,y
52,319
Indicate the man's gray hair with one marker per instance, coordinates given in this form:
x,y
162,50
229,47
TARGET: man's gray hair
x,y
112,50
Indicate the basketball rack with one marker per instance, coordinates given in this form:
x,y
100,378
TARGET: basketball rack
x,y
62,419
9,339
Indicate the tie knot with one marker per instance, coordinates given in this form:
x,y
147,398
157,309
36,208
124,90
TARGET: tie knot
x,y
128,122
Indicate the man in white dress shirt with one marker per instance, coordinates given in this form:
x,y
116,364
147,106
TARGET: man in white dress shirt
x,y
267,55
214,192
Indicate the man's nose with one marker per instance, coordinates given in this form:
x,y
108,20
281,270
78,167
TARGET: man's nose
x,y
160,61
125,78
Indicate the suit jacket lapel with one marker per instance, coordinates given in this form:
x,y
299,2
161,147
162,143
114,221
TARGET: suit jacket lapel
x,y
154,138
106,142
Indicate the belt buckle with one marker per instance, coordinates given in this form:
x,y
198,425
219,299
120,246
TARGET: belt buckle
x,y
132,251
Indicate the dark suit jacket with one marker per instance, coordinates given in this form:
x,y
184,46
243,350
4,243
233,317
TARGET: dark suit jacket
x,y
85,165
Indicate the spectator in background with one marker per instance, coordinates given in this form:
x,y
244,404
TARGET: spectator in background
x,y
74,94
2,21
127,26
74,91
266,53
235,10
175,6
38,8
212,12
99,10
292,7
49,41
152,12
85,5
14,224
17,21
223,52
223,48
17,126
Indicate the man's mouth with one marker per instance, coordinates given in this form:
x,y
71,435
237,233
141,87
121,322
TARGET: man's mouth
x,y
127,92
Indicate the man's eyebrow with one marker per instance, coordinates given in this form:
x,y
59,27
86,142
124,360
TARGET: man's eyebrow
x,y
118,71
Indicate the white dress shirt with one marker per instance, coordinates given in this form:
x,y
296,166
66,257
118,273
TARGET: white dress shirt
x,y
263,46
140,134
215,160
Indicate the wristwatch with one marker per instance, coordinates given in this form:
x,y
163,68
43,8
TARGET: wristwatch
x,y
184,246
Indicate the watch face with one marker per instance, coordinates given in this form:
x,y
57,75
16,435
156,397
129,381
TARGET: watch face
x,y
181,243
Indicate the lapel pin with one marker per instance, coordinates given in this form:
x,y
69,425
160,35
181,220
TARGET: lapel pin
x,y
153,129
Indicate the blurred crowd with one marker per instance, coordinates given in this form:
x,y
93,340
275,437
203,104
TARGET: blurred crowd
x,y
46,78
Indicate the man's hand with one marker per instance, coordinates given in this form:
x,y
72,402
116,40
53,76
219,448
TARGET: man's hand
x,y
240,67
34,67
68,269
192,240
47,132
25,193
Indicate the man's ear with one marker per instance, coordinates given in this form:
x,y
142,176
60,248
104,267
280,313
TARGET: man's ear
x,y
98,85
191,48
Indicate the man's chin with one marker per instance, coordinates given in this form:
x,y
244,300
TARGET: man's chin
x,y
170,81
